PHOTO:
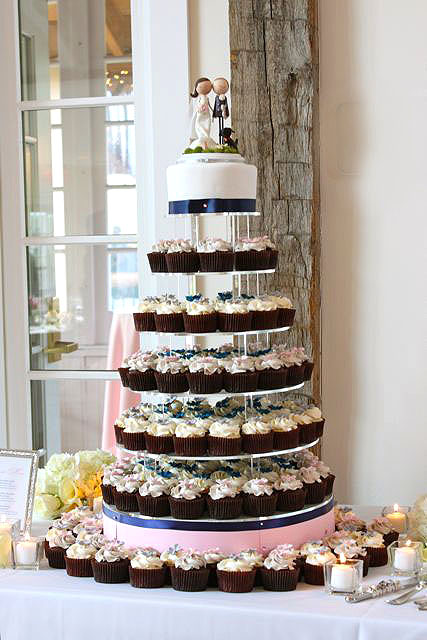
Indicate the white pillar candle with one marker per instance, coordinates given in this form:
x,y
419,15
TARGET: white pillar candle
x,y
397,519
26,551
405,558
342,577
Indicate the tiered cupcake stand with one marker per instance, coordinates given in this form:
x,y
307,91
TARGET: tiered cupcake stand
x,y
311,522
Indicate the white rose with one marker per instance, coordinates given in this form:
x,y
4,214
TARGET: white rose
x,y
46,506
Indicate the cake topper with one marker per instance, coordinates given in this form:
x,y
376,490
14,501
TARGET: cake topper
x,y
227,139
201,121
220,87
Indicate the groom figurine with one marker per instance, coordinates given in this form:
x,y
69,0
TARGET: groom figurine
x,y
220,110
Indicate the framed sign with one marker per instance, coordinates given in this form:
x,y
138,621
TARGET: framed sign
x,y
18,473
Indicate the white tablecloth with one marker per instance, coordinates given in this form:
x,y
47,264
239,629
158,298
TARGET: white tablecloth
x,y
49,605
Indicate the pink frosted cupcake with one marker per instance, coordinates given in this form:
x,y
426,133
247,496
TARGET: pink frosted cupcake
x,y
241,375
224,500
279,571
272,372
257,436
190,572
290,493
171,374
181,257
259,497
186,500
215,255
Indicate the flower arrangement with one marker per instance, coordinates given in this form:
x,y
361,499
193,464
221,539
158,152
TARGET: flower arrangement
x,y
69,481
418,522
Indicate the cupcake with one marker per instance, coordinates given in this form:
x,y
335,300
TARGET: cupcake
x,y
134,434
190,572
186,500
169,318
273,253
285,310
168,557
78,560
307,427
224,500
181,257
144,318
272,373
383,526
125,493
319,421
157,256
264,313
107,487
328,478
256,559
171,375
285,433
251,254
124,372
153,497
159,436
240,374
308,370
147,571
56,544
110,565
235,575
279,571
293,360
352,551
312,482
141,373
118,426
190,439
233,315
213,557
205,375
257,436
215,255
314,563
224,438
259,498
199,315
373,542
290,493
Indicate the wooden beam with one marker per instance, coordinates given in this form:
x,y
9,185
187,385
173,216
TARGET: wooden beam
x,y
113,46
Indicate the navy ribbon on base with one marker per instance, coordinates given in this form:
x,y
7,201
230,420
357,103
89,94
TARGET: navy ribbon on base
x,y
206,525
212,205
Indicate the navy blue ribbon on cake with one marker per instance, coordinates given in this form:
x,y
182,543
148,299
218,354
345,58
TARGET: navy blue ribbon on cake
x,y
212,205
224,525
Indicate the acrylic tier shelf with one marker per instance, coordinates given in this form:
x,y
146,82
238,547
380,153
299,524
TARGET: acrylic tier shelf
x,y
253,332
207,457
159,395
255,272
310,523
231,214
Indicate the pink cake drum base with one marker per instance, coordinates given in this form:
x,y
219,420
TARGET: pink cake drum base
x,y
227,541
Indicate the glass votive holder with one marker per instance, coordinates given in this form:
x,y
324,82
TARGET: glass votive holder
x,y
27,552
9,529
344,577
397,516
405,557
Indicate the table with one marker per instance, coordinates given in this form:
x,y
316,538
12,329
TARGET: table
x,y
50,605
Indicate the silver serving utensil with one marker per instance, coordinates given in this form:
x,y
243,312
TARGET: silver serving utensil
x,y
407,595
382,588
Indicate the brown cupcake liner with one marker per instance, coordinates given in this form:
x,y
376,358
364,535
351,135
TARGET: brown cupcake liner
x,y
134,441
111,572
286,439
183,262
377,556
307,433
171,382
55,556
200,382
241,382
257,506
79,567
313,574
329,486
285,317
142,380
257,442
168,577
169,322
258,577
144,321
295,375
281,580
157,262
234,322
320,425
315,492
195,446
153,507
224,446
274,257
107,493
308,369
264,319
272,378
391,537
159,444
251,260
118,432
202,323
225,508
191,580
236,581
124,375
216,261
212,580
147,578
183,509
125,501
291,500
365,560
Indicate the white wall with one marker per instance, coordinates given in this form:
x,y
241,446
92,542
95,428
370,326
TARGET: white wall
x,y
373,93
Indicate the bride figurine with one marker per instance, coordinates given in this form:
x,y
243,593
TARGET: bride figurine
x,y
201,121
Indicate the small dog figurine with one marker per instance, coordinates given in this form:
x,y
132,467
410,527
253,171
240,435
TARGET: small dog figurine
x,y
228,140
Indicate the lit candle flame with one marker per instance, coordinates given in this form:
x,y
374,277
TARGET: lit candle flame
x,y
396,507
343,559
408,543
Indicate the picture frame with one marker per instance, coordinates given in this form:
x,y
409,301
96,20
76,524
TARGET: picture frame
x,y
18,475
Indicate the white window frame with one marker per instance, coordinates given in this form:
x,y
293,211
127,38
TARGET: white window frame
x,y
160,52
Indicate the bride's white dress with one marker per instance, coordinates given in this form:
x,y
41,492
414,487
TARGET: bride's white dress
x,y
201,124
